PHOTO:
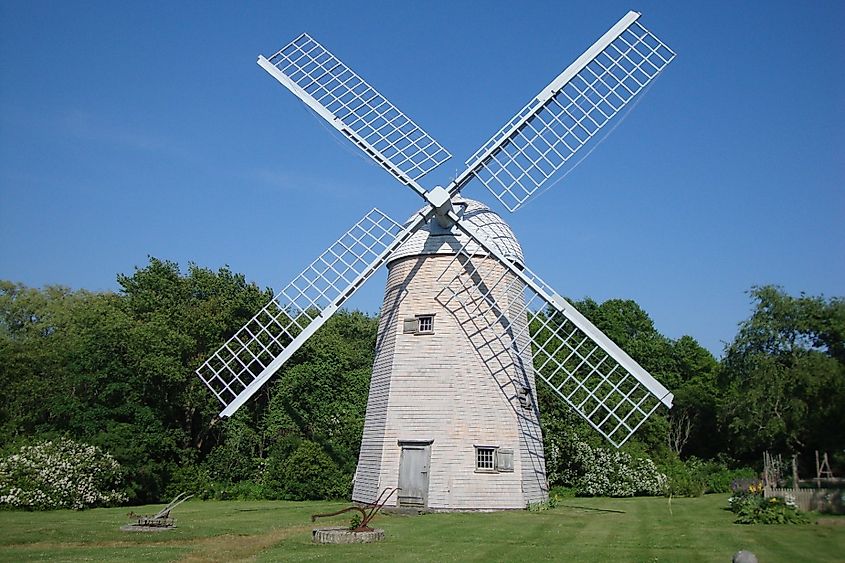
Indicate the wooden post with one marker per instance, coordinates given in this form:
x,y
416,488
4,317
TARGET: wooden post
x,y
765,471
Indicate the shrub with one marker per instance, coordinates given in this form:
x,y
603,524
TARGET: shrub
x,y
751,507
746,485
60,474
355,521
719,481
242,490
598,471
237,457
191,479
306,474
683,479
694,477
682,482
559,492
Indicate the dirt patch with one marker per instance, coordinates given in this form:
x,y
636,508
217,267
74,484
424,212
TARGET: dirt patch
x,y
228,547
238,548
831,521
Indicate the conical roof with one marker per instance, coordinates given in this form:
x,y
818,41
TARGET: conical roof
x,y
434,239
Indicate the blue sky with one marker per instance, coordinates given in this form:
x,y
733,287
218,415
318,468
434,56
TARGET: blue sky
x,y
135,129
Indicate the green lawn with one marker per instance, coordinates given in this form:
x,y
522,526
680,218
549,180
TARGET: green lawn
x,y
641,529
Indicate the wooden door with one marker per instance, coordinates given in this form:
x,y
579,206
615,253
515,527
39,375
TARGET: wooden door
x,y
413,475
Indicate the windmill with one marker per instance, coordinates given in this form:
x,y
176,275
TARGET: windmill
x,y
466,327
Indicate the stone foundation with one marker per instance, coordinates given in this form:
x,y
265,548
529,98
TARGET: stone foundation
x,y
345,535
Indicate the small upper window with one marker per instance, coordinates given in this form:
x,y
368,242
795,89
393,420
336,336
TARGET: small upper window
x,y
421,324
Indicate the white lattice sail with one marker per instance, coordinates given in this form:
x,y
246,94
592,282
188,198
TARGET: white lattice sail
x,y
355,108
236,370
604,385
517,325
567,113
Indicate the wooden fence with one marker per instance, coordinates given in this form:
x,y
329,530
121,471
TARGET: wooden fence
x,y
820,500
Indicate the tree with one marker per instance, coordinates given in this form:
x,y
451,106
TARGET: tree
x,y
692,421
683,366
116,369
785,375
30,320
321,396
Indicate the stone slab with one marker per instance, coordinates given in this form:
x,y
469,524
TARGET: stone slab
x,y
345,535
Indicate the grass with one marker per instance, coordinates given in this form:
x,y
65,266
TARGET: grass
x,y
589,529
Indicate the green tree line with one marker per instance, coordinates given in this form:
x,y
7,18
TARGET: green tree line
x,y
116,370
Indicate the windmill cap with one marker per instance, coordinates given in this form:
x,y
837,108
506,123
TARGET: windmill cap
x,y
431,238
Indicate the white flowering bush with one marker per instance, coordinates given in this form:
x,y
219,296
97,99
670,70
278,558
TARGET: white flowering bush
x,y
59,474
597,471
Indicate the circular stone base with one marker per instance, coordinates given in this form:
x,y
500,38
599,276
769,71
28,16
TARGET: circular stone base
x,y
345,535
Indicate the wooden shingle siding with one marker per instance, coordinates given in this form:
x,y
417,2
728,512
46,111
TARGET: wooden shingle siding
x,y
366,487
446,388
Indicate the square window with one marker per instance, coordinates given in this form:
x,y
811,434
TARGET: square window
x,y
485,458
420,324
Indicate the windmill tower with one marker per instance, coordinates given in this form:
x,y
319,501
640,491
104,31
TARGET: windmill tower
x,y
466,327
451,416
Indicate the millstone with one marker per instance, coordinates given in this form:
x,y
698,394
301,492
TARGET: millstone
x,y
139,528
345,535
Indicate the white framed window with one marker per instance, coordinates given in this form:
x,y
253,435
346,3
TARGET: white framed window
x,y
485,459
420,324
493,459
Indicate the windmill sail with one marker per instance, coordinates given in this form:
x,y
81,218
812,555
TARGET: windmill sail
x,y
523,325
241,366
567,113
356,109
601,382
